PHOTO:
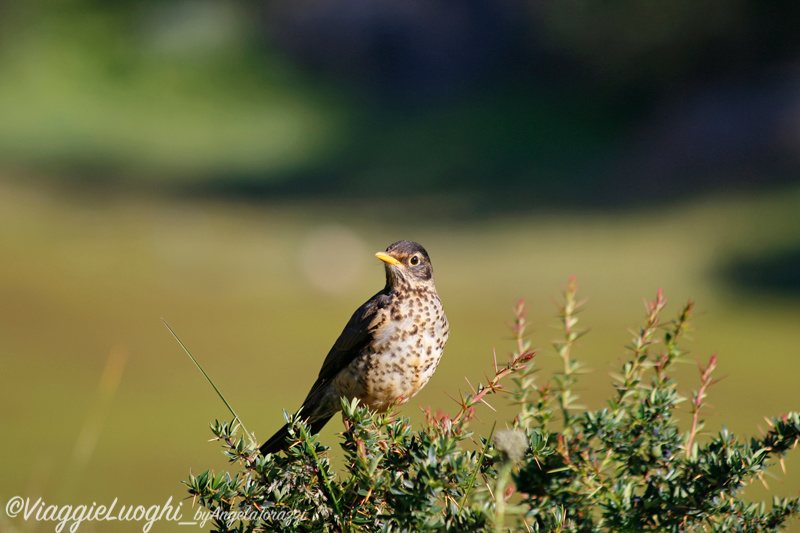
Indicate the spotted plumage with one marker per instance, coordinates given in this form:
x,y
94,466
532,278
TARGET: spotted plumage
x,y
388,350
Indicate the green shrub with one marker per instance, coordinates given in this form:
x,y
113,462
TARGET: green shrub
x,y
626,467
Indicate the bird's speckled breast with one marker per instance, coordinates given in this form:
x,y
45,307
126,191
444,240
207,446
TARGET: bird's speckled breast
x,y
409,338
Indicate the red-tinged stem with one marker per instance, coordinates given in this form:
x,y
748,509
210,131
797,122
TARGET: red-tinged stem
x,y
699,396
494,385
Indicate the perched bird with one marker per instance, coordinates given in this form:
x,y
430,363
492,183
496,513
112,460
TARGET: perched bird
x,y
388,350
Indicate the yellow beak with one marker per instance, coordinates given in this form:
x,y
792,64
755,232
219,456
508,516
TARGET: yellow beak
x,y
383,256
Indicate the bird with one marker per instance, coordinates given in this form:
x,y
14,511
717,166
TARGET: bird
x,y
389,348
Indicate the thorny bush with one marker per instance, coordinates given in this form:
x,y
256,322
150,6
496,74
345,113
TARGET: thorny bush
x,y
556,467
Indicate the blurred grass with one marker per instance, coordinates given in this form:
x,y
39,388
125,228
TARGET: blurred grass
x,y
83,275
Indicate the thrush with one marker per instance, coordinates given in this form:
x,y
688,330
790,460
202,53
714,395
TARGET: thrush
x,y
387,351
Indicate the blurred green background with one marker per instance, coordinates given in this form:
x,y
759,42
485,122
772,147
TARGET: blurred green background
x,y
232,167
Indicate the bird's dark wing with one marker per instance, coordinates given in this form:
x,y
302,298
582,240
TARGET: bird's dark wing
x,y
355,336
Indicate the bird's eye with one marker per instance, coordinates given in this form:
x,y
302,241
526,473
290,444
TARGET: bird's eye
x,y
414,261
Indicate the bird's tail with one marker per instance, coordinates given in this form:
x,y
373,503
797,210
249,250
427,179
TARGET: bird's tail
x,y
277,442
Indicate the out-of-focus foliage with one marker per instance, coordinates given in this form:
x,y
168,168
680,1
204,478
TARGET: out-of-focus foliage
x,y
614,101
151,93
657,45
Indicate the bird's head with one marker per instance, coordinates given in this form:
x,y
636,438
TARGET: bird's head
x,y
407,263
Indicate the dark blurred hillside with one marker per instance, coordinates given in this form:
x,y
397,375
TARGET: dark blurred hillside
x,y
482,102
